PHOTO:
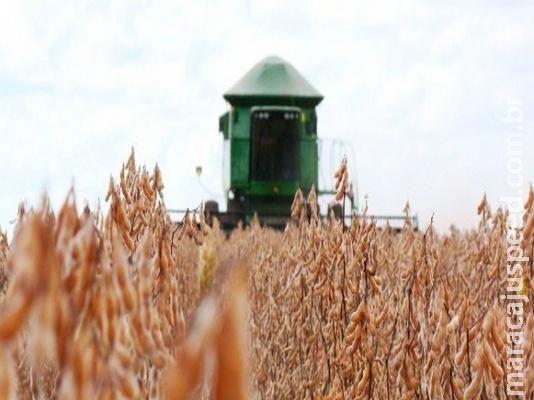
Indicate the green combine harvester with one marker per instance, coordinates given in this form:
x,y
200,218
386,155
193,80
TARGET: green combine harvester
x,y
270,143
270,146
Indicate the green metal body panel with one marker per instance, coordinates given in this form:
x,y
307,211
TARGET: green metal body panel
x,y
308,163
273,81
239,167
276,87
273,189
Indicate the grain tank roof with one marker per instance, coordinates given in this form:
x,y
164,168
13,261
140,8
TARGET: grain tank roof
x,y
273,80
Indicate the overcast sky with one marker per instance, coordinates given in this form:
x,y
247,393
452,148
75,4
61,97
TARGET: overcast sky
x,y
417,88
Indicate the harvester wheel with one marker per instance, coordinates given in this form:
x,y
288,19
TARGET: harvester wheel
x,y
211,208
336,209
235,206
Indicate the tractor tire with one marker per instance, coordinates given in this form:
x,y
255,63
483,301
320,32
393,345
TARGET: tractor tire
x,y
337,211
235,206
211,209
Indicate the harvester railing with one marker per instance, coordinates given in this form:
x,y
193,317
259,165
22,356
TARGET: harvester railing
x,y
230,219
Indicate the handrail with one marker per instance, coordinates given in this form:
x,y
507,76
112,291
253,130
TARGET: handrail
x,y
369,217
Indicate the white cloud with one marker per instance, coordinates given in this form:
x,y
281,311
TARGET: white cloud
x,y
417,89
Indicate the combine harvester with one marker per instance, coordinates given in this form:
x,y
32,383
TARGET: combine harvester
x,y
271,148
